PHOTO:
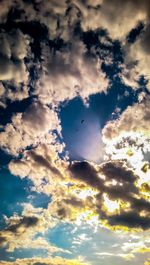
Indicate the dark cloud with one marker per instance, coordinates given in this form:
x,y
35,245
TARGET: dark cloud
x,y
86,173
145,40
131,220
124,189
26,222
118,171
41,161
2,240
74,202
39,263
141,205
113,170
125,180
16,228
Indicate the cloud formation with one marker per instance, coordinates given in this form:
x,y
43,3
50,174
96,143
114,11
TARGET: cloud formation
x,y
133,119
29,128
20,231
77,73
46,261
44,57
117,181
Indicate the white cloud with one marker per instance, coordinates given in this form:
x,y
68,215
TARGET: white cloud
x,y
29,128
14,48
69,73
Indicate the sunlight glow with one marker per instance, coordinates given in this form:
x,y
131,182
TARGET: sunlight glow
x,y
111,206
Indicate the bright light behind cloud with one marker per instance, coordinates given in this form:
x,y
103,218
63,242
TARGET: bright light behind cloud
x,y
89,145
111,206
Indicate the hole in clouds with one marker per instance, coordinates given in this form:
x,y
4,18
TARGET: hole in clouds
x,y
81,131
81,125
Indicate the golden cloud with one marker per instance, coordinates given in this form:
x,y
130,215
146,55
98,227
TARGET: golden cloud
x,y
42,261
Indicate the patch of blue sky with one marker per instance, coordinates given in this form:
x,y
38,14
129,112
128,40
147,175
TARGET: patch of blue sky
x,y
81,129
15,191
61,235
99,247
22,253
77,238
96,247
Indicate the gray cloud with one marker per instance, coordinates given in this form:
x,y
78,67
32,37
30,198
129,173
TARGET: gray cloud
x,y
86,173
131,220
123,189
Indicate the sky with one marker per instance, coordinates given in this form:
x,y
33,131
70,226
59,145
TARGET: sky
x,y
74,132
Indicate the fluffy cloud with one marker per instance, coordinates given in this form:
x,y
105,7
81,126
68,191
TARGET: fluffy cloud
x,y
60,18
48,173
29,128
113,191
20,231
42,165
14,46
69,73
134,119
128,137
115,16
77,72
117,181
112,184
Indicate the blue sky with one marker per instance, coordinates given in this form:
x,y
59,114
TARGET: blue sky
x,y
74,132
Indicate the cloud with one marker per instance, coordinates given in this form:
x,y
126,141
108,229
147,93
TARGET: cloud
x,y
134,119
119,171
28,128
61,18
115,16
138,54
115,179
52,175
45,261
123,256
20,231
5,7
147,262
14,46
77,70
52,74
104,174
128,138
112,179
77,73
18,228
120,20
137,247
86,173
63,68
143,250
130,220
42,165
